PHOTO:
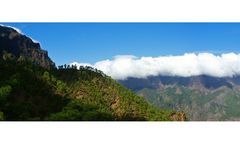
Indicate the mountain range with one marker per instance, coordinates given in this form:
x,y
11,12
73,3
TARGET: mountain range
x,y
200,97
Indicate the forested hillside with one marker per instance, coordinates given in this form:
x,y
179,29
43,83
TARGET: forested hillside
x,y
32,88
30,92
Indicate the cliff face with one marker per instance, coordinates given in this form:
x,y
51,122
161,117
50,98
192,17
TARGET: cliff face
x,y
18,46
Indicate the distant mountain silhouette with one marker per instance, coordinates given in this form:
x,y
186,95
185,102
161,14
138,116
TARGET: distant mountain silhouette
x,y
202,81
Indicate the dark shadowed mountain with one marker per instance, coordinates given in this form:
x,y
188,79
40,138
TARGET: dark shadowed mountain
x,y
14,45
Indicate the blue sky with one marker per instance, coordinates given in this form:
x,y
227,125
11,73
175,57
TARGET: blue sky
x,y
92,42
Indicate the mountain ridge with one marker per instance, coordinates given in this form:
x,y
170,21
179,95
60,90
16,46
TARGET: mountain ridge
x,y
201,81
200,97
14,45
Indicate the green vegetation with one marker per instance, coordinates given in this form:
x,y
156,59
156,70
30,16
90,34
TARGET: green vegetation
x,y
32,88
25,94
220,104
30,92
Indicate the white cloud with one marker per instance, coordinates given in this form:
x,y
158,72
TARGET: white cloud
x,y
189,64
35,41
81,64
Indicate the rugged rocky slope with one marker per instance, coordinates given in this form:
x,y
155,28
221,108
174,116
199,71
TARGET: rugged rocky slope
x,y
14,45
200,97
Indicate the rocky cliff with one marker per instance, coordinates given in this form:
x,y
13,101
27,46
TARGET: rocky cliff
x,y
14,45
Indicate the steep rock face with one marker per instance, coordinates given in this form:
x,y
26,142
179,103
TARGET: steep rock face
x,y
18,46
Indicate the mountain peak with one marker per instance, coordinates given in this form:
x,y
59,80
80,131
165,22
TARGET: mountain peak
x,y
18,45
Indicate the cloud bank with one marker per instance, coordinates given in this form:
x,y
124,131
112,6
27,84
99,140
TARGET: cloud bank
x,y
189,64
